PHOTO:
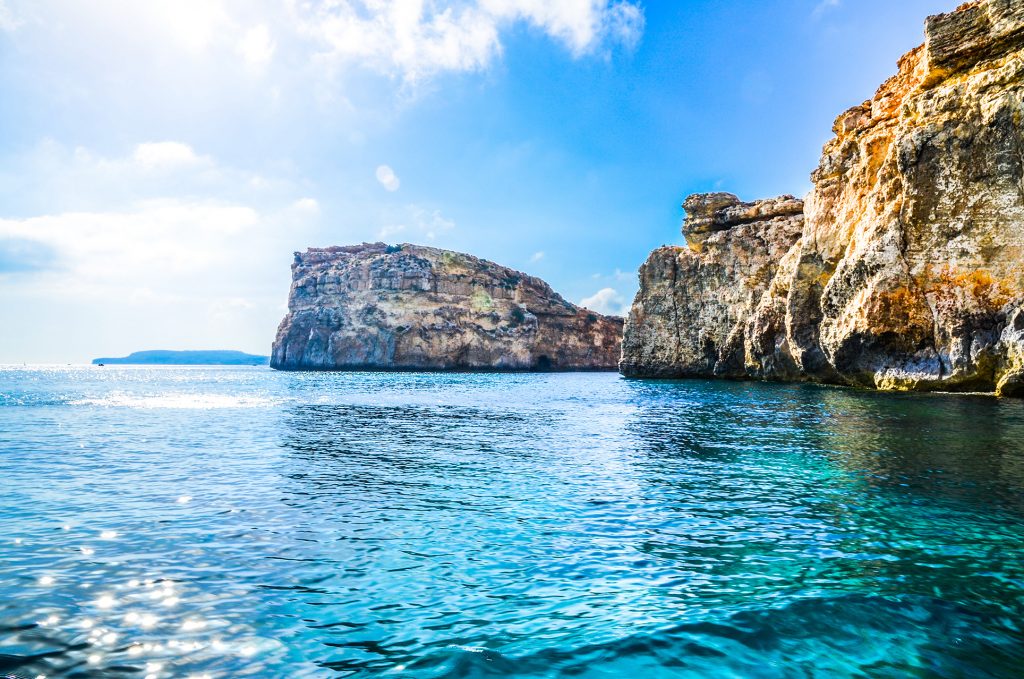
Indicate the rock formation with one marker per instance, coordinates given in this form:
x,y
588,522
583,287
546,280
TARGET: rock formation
x,y
692,315
407,307
906,270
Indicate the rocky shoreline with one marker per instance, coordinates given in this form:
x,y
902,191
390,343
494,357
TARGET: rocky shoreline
x,y
904,267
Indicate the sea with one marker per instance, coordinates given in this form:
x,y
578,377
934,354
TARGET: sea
x,y
241,522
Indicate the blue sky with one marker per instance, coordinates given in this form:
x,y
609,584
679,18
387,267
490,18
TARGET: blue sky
x,y
162,160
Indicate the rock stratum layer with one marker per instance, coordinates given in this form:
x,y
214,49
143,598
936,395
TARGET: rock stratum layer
x,y
905,268
407,307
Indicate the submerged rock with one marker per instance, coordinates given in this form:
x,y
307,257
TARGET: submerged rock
x,y
408,307
908,269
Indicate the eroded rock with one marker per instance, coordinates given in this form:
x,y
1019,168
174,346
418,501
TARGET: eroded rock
x,y
408,307
908,272
693,314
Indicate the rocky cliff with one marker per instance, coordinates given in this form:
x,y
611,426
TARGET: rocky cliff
x,y
906,268
407,307
693,314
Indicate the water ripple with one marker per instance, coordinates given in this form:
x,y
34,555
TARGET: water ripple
x,y
241,522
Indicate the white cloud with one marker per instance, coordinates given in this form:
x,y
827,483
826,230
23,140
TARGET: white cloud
x,y
387,178
257,47
307,205
153,243
191,256
109,43
165,154
605,301
194,25
537,256
164,273
579,24
416,39
399,37
625,22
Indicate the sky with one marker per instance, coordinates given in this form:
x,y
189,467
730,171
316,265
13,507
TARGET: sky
x,y
161,161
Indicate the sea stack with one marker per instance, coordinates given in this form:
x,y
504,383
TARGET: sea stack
x,y
409,307
905,268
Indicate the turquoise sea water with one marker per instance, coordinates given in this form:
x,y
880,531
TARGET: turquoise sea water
x,y
222,522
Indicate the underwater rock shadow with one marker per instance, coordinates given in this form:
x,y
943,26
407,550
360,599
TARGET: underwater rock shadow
x,y
842,636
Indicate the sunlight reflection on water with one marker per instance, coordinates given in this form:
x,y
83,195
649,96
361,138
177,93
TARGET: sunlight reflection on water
x,y
521,525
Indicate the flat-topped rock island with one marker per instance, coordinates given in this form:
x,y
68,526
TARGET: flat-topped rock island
x,y
409,307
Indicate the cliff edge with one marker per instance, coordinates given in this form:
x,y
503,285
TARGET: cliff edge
x,y
409,307
905,268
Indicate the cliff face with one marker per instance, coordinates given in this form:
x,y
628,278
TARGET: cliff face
x,y
908,269
407,307
693,314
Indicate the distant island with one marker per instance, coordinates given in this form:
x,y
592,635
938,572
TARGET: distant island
x,y
199,357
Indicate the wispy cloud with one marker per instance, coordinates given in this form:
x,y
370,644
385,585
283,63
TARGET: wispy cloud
x,y
417,222
165,154
309,206
536,257
414,39
606,301
387,178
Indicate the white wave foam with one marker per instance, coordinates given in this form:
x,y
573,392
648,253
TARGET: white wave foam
x,y
178,401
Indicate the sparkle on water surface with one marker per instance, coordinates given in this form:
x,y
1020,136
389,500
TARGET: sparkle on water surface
x,y
222,522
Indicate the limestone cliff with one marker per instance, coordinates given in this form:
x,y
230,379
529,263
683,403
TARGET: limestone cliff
x,y
908,269
692,316
407,307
